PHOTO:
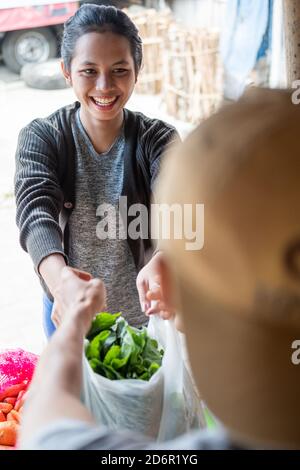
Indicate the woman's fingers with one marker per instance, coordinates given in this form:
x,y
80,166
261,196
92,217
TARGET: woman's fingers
x,y
166,314
143,287
156,307
98,294
81,274
77,290
55,317
70,273
154,294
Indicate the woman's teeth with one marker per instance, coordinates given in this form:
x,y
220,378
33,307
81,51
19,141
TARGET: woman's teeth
x,y
104,101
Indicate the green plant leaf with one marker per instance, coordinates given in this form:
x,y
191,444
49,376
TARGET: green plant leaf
x,y
93,349
151,351
120,351
112,353
110,340
102,321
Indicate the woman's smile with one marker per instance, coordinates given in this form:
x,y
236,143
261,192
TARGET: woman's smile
x,y
104,103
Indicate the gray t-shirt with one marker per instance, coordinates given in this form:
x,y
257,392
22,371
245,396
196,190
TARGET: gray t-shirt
x,y
99,182
76,435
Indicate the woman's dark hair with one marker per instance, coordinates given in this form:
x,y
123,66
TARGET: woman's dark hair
x,y
100,18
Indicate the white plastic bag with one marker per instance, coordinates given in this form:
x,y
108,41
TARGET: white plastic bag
x,y
164,407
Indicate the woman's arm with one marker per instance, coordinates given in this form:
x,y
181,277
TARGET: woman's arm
x,y
38,192
50,269
55,390
158,142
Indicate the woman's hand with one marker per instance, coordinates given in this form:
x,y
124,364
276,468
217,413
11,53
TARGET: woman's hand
x,y
78,297
151,295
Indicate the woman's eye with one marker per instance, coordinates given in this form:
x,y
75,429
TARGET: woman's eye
x,y
120,71
89,71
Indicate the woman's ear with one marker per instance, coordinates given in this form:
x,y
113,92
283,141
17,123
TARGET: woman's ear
x,y
66,73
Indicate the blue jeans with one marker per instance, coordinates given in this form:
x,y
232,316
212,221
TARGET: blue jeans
x,y
49,326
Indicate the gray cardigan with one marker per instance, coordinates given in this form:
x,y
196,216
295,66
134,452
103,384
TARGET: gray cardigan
x,y
45,186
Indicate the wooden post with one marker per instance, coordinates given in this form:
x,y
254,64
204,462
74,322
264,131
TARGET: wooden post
x,y
291,11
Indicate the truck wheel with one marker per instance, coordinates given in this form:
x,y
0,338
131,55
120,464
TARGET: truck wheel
x,y
28,46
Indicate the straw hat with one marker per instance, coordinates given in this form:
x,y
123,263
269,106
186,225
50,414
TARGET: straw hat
x,y
240,294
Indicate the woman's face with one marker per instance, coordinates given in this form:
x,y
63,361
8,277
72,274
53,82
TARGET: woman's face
x,y
102,74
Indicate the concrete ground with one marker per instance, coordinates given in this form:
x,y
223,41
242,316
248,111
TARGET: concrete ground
x,y
20,292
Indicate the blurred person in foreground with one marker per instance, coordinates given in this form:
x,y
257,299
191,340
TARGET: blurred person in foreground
x,y
238,299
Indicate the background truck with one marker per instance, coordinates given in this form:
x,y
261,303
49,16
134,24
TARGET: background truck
x,y
30,29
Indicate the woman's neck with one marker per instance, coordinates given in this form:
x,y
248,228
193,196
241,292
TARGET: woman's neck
x,y
102,133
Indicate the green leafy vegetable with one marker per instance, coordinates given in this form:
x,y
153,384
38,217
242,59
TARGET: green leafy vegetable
x,y
102,322
95,345
119,351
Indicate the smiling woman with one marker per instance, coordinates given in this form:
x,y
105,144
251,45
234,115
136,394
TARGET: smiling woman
x,y
86,155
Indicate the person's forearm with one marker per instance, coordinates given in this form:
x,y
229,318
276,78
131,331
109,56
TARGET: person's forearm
x,y
50,269
60,366
54,393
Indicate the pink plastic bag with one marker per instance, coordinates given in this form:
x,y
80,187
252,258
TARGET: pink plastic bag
x,y
16,365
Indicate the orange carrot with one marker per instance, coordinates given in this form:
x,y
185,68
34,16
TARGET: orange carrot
x,y
20,400
11,400
9,417
2,417
7,447
21,394
12,391
13,415
5,407
8,433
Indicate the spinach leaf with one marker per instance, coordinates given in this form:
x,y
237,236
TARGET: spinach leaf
x,y
103,321
112,353
94,347
119,351
152,352
110,340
